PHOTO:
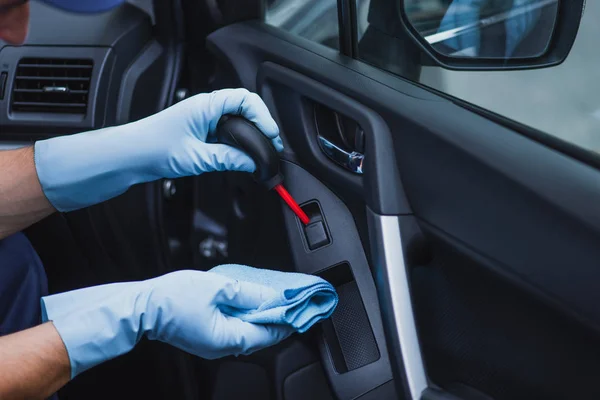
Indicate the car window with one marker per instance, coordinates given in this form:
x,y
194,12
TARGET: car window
x,y
316,20
563,101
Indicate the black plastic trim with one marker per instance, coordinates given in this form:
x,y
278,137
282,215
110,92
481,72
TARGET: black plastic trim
x,y
554,142
145,60
102,58
438,394
170,33
3,82
347,27
344,248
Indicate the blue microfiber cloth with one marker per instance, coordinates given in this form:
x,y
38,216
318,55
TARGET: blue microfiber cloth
x,y
302,300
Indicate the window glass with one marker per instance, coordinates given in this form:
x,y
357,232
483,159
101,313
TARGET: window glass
x,y
315,20
563,101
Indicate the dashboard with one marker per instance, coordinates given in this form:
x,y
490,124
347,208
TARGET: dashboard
x,y
80,72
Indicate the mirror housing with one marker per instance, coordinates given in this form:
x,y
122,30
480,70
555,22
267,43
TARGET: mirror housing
x,y
566,25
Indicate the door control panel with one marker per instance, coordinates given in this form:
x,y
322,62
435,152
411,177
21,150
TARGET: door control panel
x,y
352,344
316,232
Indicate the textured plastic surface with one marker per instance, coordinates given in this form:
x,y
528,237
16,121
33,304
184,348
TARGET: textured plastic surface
x,y
352,327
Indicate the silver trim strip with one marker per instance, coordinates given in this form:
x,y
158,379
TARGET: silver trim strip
x,y
391,258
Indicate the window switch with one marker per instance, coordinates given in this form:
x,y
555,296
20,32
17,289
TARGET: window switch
x,y
316,235
3,80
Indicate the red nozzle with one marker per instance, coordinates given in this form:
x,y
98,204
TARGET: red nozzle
x,y
287,197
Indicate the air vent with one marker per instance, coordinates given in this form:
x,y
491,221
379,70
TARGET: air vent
x,y
52,85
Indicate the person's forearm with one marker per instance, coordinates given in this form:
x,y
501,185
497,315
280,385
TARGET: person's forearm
x,y
72,172
34,363
22,201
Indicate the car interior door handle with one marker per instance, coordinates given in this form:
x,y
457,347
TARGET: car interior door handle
x,y
352,161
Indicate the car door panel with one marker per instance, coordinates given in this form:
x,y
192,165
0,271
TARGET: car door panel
x,y
355,335
354,348
512,215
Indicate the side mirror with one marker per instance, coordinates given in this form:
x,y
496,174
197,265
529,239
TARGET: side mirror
x,y
493,34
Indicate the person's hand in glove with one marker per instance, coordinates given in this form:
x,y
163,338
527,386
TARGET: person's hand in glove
x,y
84,169
181,308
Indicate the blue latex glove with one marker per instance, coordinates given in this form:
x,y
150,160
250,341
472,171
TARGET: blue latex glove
x,y
80,170
181,308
